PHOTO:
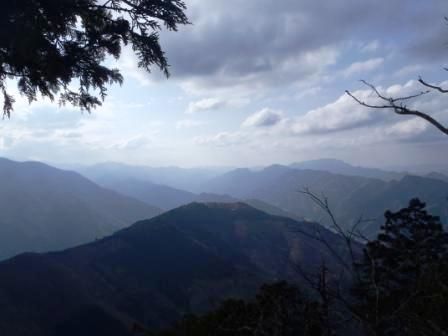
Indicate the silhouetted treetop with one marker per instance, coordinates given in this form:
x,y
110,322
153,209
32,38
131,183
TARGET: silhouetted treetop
x,y
404,275
279,309
58,47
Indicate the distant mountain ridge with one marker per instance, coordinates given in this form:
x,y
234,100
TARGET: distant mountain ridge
x,y
353,192
438,176
43,208
169,198
151,273
340,167
162,196
350,197
188,179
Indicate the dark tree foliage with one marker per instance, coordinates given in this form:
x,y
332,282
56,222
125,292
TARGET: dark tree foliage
x,y
278,310
404,276
51,46
399,287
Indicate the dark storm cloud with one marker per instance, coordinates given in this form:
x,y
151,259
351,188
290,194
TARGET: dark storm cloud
x,y
271,41
431,46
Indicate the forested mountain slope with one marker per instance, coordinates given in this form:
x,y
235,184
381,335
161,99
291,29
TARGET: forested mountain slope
x,y
186,260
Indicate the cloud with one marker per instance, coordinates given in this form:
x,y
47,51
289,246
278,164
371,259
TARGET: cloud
x,y
342,114
222,139
409,70
72,135
303,68
288,42
128,66
345,114
264,118
208,104
406,129
239,56
431,44
133,143
342,124
189,123
363,67
371,46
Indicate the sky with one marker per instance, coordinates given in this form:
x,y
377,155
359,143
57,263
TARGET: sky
x,y
257,82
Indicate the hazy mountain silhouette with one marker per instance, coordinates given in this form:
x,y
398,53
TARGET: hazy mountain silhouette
x,y
162,196
280,185
349,197
168,198
188,179
438,176
43,208
371,200
343,168
242,182
185,260
271,209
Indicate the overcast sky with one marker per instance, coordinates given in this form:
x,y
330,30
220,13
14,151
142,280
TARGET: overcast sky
x,y
256,82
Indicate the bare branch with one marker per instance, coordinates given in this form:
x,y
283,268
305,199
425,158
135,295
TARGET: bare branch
x,y
401,109
435,87
347,236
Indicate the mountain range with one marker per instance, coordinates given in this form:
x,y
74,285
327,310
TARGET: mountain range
x,y
438,176
188,179
349,197
185,260
340,167
353,193
153,272
43,208
168,198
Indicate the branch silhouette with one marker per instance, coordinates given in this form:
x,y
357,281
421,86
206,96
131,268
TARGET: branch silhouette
x,y
398,104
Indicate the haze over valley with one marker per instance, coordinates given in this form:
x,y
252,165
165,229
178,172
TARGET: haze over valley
x,y
46,208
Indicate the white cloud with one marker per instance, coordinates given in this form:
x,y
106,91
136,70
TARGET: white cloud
x,y
280,58
342,125
222,139
136,142
371,46
208,104
128,66
345,114
189,123
406,129
363,67
408,70
340,115
264,118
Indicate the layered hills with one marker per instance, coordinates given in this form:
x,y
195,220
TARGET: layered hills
x,y
153,272
350,198
353,193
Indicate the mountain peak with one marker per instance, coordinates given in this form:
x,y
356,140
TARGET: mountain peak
x,y
336,166
230,207
156,270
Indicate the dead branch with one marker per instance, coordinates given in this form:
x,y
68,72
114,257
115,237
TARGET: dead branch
x,y
398,104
